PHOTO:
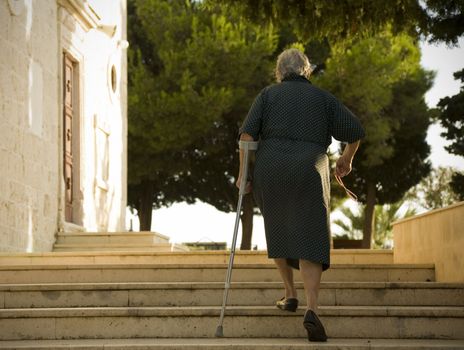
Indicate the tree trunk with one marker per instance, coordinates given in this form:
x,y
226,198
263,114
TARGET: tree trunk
x,y
247,221
146,206
369,218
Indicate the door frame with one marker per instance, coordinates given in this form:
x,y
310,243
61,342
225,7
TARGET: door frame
x,y
76,223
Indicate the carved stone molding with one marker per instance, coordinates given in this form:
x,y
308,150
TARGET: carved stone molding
x,y
83,12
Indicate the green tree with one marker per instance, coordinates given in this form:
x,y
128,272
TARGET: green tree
x,y
353,222
189,68
212,173
166,97
444,20
439,20
391,107
451,117
435,191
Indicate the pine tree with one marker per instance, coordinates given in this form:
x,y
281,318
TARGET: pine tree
x,y
192,71
438,20
452,119
381,81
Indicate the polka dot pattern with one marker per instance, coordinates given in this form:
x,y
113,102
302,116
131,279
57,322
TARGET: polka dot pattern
x,y
294,122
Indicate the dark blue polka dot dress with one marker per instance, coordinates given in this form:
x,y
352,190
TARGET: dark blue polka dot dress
x,y
294,122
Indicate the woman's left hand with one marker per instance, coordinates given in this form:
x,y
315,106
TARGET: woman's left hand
x,y
343,166
248,186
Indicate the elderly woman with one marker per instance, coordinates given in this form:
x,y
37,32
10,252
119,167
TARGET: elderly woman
x,y
294,122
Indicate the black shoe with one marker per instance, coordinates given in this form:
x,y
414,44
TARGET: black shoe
x,y
314,327
290,304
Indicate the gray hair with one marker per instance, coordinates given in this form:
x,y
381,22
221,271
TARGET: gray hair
x,y
292,61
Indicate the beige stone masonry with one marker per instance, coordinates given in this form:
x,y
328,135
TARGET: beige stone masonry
x,y
338,256
235,344
33,37
203,272
435,237
247,322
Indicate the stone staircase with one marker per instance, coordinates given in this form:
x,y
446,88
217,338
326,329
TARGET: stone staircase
x,y
171,300
115,241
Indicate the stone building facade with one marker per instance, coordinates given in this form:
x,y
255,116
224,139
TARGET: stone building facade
x,y
63,120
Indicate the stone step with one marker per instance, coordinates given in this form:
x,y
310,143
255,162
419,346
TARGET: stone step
x,y
394,322
206,273
120,247
67,295
234,344
111,237
338,256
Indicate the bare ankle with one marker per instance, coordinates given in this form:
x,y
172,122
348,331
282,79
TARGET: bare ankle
x,y
290,294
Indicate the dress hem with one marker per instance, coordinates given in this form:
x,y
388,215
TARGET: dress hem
x,y
294,262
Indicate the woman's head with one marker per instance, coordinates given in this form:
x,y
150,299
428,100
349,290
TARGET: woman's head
x,y
292,61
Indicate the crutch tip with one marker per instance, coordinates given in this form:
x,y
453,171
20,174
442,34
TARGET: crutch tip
x,y
219,332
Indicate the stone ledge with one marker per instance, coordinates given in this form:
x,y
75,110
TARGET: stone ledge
x,y
233,343
220,285
205,266
212,252
208,311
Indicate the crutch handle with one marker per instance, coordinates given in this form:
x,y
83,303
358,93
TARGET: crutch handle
x,y
248,145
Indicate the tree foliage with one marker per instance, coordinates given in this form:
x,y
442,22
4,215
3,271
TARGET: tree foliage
x,y
191,71
353,222
444,20
381,81
435,191
451,118
438,20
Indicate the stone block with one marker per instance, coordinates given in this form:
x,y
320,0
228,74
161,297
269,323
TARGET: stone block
x,y
7,132
3,211
4,182
8,135
64,298
4,20
235,344
5,85
424,275
19,86
432,327
27,328
185,273
256,322
11,215
18,192
4,235
20,119
20,66
46,205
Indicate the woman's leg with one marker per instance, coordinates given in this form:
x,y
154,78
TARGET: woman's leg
x,y
311,274
286,273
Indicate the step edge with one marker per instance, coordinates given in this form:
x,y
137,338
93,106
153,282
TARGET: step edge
x,y
201,266
250,311
76,286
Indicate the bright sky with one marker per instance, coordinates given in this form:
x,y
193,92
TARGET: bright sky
x,y
202,222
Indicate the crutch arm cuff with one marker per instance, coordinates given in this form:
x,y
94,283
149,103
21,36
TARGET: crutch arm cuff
x,y
249,145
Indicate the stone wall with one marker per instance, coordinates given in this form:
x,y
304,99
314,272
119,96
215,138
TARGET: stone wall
x,y
29,74
435,237
33,37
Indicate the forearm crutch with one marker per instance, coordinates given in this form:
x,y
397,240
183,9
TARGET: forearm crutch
x,y
246,146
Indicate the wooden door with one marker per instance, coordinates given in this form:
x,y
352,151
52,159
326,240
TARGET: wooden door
x,y
68,93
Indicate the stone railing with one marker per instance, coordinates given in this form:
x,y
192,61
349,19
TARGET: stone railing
x,y
434,237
